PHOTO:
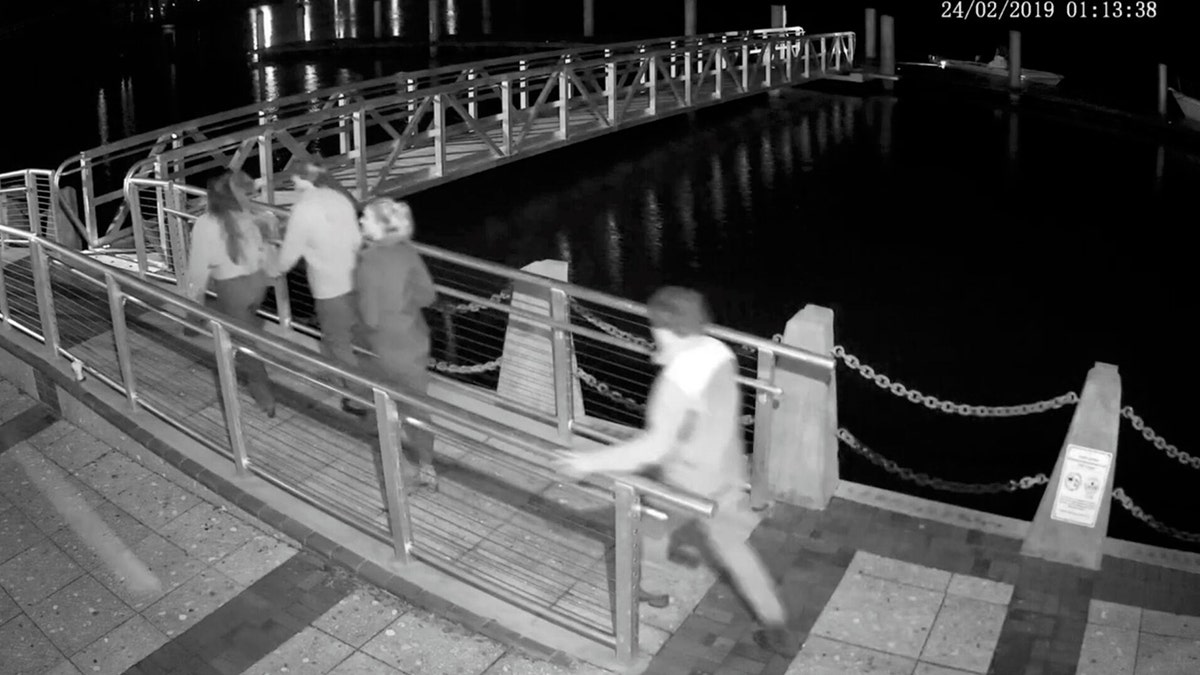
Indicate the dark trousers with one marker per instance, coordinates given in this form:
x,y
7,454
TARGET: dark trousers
x,y
338,318
239,298
406,366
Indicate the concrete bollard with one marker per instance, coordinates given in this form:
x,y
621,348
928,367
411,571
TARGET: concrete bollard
x,y
1162,90
1014,59
803,462
527,365
869,35
1072,519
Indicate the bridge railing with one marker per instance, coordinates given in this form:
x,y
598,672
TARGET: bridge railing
x,y
576,359
443,124
109,325
98,173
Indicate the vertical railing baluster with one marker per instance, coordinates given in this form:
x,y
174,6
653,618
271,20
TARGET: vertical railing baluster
x,y
506,121
226,355
807,58
764,413
564,370
523,66
4,315
564,101
32,206
133,198
344,139
394,483
88,188
745,67
610,88
652,85
116,306
176,235
360,150
627,520
45,295
266,163
439,138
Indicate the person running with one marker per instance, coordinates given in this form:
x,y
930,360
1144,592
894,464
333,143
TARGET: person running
x,y
394,285
323,229
693,435
228,247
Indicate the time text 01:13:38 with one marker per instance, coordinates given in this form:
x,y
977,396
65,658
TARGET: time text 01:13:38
x,y
1046,9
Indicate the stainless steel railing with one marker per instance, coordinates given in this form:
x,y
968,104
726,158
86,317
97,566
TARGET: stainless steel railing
x,y
90,167
31,293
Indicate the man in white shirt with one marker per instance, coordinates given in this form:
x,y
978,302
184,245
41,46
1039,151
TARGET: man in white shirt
x,y
323,229
693,434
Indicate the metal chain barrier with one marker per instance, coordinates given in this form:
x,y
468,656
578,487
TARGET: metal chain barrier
x,y
473,369
1154,523
469,307
1158,441
608,328
934,403
925,480
591,382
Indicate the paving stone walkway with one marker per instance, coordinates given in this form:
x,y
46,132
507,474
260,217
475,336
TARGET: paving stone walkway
x,y
188,583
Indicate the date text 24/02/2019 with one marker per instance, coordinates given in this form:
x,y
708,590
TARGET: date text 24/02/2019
x,y
966,10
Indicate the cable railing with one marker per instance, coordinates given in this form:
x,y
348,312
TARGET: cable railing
x,y
125,332
573,358
99,171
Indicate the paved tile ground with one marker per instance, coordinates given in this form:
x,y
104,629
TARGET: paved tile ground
x,y
182,581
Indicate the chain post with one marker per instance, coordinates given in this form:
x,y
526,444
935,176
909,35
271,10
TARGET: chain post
x,y
627,519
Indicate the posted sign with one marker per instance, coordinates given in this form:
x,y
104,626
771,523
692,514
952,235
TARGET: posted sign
x,y
1081,490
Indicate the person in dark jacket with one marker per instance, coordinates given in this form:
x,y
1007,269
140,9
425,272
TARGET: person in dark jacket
x,y
393,287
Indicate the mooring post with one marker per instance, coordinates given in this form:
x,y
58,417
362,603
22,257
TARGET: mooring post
x,y
887,46
1162,89
872,24
589,18
689,17
300,10
1014,60
435,27
486,19
260,33
378,19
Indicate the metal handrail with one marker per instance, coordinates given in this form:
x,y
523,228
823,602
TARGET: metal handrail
x,y
664,495
817,365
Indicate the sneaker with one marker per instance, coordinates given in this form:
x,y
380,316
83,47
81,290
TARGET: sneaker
x,y
655,600
777,639
686,556
428,478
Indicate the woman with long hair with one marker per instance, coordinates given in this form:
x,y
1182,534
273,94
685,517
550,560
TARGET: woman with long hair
x,y
228,248
323,229
394,285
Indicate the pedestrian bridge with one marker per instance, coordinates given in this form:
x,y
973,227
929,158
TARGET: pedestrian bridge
x,y
526,363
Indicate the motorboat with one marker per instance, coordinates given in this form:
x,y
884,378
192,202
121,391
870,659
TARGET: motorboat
x,y
998,68
1189,105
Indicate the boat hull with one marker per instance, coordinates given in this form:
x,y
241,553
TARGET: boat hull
x,y
1027,75
1189,106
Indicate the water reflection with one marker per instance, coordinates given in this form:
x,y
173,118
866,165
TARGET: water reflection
x,y
451,17
613,241
102,115
652,221
766,148
312,81
685,204
128,114
339,20
396,18
306,21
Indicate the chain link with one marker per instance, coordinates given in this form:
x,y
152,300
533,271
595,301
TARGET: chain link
x,y
472,369
925,480
1157,441
608,328
1154,523
469,307
934,403
603,389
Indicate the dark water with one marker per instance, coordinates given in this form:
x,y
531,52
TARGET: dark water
x,y
975,254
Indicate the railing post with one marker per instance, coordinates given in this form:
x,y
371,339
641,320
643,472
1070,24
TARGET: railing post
x,y
674,60
564,102
627,520
88,188
439,138
719,71
473,104
770,63
745,67
564,362
7,319
266,163
133,198
226,356
764,412
837,53
652,86
688,66
31,204
872,24
344,138
45,295
360,150
388,422
522,67
807,58
506,121
610,88
411,87
824,56
176,238
116,306
1162,90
